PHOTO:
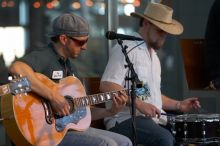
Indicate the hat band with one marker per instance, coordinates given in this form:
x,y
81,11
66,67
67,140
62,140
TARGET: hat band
x,y
157,20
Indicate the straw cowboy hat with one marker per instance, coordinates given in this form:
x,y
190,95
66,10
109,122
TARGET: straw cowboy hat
x,y
161,16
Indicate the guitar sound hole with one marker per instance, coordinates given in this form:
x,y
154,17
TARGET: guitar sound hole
x,y
71,103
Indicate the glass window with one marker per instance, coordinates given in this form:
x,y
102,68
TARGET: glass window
x,y
35,17
12,43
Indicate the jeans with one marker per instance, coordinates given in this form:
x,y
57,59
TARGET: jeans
x,y
94,137
148,133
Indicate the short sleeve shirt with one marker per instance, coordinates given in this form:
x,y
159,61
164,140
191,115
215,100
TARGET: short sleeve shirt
x,y
48,62
147,67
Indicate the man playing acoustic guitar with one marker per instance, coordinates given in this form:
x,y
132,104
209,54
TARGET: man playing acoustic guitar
x,y
69,37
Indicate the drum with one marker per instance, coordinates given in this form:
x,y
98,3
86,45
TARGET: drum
x,y
196,128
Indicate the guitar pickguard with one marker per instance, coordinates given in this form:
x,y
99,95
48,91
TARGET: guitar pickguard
x,y
75,117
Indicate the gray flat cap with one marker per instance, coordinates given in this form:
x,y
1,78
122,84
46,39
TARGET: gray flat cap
x,y
70,25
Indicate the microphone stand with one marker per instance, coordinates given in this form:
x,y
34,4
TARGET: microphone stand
x,y
135,82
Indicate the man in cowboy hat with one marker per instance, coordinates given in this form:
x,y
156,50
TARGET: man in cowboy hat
x,y
155,24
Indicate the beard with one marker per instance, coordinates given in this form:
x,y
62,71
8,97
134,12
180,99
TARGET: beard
x,y
157,44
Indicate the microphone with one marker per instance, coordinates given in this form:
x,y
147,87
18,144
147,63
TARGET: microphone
x,y
111,35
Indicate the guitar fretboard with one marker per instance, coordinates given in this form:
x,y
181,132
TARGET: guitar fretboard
x,y
94,99
4,89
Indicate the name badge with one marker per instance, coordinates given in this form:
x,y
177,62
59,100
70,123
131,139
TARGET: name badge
x,y
57,74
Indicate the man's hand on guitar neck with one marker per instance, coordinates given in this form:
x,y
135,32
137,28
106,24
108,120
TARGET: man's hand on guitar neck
x,y
118,102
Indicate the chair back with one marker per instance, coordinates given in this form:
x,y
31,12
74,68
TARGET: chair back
x,y
91,85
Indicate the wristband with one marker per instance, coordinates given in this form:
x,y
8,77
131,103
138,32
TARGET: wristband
x,y
178,105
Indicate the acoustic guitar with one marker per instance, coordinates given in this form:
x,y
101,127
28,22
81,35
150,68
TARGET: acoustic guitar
x,y
31,121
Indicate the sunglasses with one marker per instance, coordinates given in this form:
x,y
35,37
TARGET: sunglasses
x,y
79,42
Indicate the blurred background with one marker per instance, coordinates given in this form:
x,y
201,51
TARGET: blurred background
x,y
24,25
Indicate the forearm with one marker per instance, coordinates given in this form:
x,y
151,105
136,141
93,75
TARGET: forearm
x,y
36,85
138,104
170,104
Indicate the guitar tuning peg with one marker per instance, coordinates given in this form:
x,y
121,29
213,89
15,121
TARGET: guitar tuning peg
x,y
22,90
28,89
20,85
10,78
16,91
14,77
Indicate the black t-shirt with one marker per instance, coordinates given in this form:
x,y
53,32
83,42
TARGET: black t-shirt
x,y
48,62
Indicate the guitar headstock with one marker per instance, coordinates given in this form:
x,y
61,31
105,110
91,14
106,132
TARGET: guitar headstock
x,y
19,85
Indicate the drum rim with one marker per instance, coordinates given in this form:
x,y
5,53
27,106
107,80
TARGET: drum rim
x,y
197,118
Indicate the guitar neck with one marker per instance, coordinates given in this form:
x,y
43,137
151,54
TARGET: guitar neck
x,y
4,89
95,99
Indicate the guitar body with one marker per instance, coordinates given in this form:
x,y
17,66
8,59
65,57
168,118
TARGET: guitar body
x,y
29,119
